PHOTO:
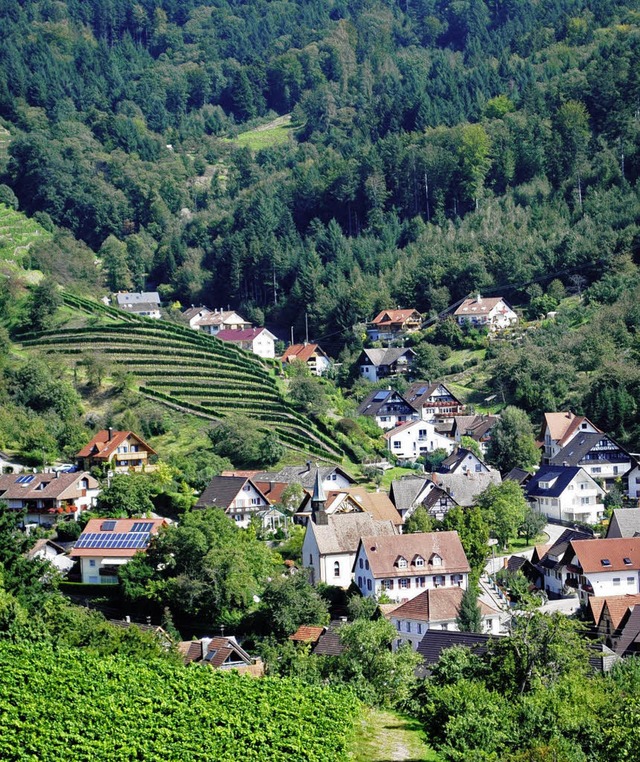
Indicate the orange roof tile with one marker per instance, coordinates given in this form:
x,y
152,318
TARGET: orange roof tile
x,y
301,352
591,554
307,634
104,444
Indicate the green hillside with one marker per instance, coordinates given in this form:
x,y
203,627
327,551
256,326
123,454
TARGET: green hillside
x,y
17,234
182,368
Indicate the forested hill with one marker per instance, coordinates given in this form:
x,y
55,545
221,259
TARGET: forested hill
x,y
436,148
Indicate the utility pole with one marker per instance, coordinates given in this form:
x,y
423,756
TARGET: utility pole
x,y
306,327
426,194
291,335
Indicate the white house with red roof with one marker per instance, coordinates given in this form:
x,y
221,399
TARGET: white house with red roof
x,y
480,311
558,429
603,567
403,566
107,544
220,320
311,355
121,451
390,324
257,340
414,439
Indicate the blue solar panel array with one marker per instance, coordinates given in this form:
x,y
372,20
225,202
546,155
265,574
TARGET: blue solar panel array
x,y
145,526
25,479
124,540
108,526
381,396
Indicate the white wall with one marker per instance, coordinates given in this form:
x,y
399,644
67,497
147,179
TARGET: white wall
x,y
417,440
323,567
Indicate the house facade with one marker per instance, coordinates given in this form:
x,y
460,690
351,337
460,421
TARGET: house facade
x,y
377,364
48,497
312,355
566,493
388,407
238,496
145,303
476,427
257,340
558,429
194,315
107,544
391,324
436,609
603,567
462,461
414,439
434,402
410,493
221,320
120,451
491,312
403,566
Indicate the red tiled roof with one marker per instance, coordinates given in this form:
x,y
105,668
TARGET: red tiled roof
x,y
391,317
245,334
591,554
438,605
307,634
383,552
301,352
101,447
121,526
618,606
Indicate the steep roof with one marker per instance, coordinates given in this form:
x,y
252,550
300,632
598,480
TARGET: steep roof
x,y
106,442
562,426
222,490
302,352
304,475
474,426
457,457
245,334
216,651
465,488
97,540
434,496
438,605
479,305
329,642
383,553
59,486
404,492
625,522
630,635
579,447
393,317
559,477
375,403
518,475
420,392
435,642
191,312
618,607
592,553
386,356
218,317
377,504
343,531
307,634
129,299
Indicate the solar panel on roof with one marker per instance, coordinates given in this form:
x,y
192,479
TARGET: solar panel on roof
x,y
379,396
142,526
108,526
421,391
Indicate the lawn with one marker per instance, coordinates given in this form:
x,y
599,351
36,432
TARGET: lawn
x,y
397,473
519,544
388,737
268,135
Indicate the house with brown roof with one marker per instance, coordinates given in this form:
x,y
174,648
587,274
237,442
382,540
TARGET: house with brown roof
x,y
476,427
193,315
376,364
412,492
388,408
107,544
434,402
144,303
463,461
391,324
238,496
549,561
612,612
312,355
220,652
603,567
558,429
436,609
403,566
119,451
492,312
257,340
221,320
49,497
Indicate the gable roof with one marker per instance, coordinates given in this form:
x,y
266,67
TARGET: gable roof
x,y
474,426
130,298
457,458
420,392
630,635
329,643
105,443
383,553
302,352
375,402
216,651
191,312
579,447
244,334
343,531
219,317
465,488
404,492
435,642
434,496
95,540
387,356
441,604
377,504
480,305
561,426
307,634
618,606
591,553
518,475
394,317
304,475
561,476
222,490
58,486
551,556
626,521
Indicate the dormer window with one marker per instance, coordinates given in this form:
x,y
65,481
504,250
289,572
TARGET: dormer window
x,y
418,561
544,485
627,561
402,562
605,562
435,560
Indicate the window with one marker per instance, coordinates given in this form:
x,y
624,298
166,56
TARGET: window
x,y
445,626
421,581
478,467
616,581
359,581
402,563
368,584
419,625
238,517
247,487
436,560
456,579
387,584
439,580
396,444
361,563
631,580
419,561
336,569
585,500
255,501
311,558
408,626
334,477
403,583
398,625
366,565
92,563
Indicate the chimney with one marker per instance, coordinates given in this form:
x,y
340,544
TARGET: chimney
x,y
205,642
478,298
57,474
127,619
110,430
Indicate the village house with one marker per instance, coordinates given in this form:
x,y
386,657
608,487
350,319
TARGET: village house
x,y
476,427
414,439
311,355
359,500
54,554
48,497
257,340
220,652
434,402
221,320
434,642
145,303
610,614
332,477
624,522
388,408
403,566
119,451
436,609
549,561
603,567
392,324
558,429
492,312
603,458
462,461
194,315
238,496
464,488
410,493
107,544
377,364
566,493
